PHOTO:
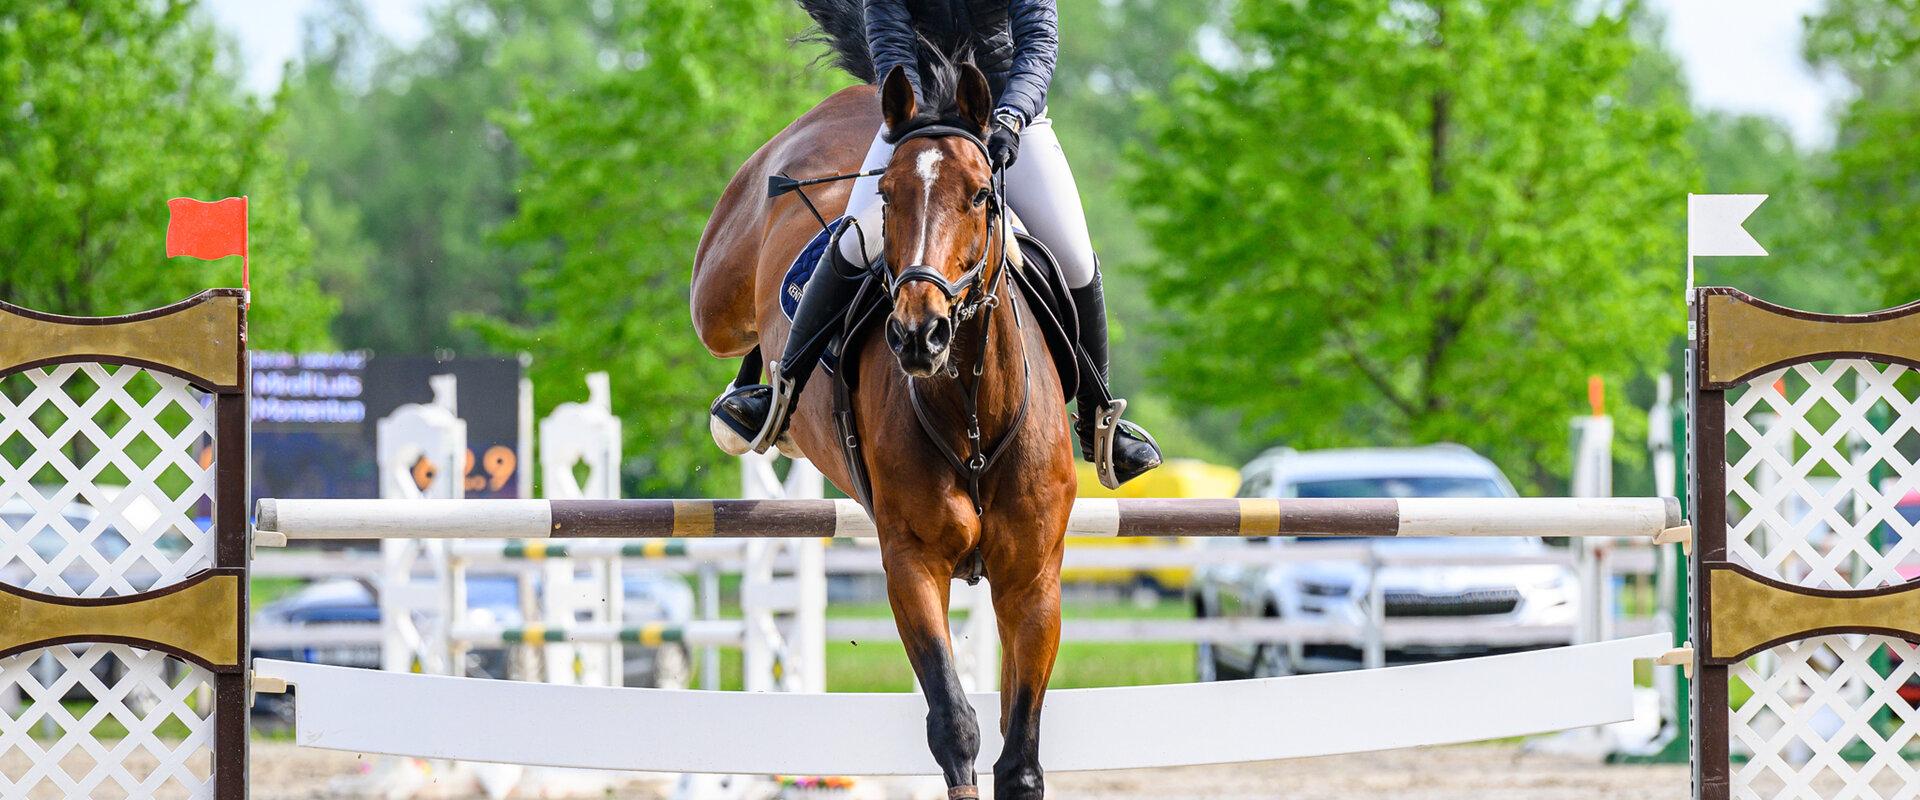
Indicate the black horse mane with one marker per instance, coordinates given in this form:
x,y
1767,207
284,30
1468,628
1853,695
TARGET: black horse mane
x,y
840,25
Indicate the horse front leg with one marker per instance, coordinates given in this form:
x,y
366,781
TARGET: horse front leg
x,y
918,586
1025,579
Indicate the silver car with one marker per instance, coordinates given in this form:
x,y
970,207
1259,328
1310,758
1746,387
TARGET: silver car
x,y
1334,591
49,544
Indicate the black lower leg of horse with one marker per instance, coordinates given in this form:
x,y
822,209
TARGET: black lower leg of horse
x,y
953,734
1016,774
1028,611
919,599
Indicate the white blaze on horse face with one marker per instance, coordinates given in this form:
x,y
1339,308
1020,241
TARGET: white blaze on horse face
x,y
927,166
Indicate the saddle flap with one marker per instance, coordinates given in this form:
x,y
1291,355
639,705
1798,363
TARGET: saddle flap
x,y
1045,288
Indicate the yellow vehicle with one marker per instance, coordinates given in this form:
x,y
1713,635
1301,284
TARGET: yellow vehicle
x,y
1179,477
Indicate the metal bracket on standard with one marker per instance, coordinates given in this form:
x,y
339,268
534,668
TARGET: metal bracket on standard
x,y
261,539
258,684
1681,657
1682,534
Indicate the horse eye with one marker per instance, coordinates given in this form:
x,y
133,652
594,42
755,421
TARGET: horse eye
x,y
980,198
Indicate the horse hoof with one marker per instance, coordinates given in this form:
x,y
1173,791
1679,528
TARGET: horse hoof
x,y
788,447
732,443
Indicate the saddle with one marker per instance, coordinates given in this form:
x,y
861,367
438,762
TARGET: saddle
x,y
1037,278
1040,281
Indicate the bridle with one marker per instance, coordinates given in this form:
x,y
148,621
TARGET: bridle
x,y
971,295
969,283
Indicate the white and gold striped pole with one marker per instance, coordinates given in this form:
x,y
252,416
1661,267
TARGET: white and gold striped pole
x,y
1644,517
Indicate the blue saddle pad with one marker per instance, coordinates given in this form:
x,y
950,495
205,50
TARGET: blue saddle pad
x,y
795,283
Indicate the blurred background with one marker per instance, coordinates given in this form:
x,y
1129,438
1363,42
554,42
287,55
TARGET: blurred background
x,y
1445,215
1353,248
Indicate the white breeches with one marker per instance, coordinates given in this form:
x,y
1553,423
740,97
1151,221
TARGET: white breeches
x,y
1040,190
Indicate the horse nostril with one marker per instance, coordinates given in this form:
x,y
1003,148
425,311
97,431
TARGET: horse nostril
x,y
896,337
939,334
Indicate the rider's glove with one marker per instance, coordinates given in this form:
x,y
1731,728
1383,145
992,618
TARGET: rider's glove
x,y
1004,145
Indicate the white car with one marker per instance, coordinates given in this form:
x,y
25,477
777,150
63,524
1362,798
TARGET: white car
x,y
1335,590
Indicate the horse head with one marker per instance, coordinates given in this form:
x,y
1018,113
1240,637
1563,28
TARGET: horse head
x,y
940,209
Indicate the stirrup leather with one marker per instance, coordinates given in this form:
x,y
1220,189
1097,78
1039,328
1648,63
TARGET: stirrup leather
x,y
778,411
1106,423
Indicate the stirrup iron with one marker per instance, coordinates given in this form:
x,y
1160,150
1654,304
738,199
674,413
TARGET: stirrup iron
x,y
1106,424
778,410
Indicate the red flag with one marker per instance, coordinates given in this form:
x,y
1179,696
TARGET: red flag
x,y
208,230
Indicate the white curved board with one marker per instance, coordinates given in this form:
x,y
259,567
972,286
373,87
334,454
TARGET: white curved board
x,y
471,719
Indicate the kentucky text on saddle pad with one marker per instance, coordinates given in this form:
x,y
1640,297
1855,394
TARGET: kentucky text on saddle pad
x,y
794,283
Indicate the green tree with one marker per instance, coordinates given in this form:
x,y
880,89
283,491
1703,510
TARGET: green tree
x,y
1116,60
622,173
411,169
1392,222
110,109
1813,261
1875,47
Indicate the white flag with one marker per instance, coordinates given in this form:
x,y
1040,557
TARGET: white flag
x,y
1713,225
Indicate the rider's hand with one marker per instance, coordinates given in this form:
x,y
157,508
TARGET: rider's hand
x,y
1004,145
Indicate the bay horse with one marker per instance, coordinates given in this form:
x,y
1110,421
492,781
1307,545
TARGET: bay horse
x,y
939,222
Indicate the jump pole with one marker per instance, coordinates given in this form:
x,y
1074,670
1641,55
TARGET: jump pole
x,y
661,730
698,633
590,519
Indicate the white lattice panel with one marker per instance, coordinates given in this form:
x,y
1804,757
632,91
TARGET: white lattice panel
x,y
1815,479
105,490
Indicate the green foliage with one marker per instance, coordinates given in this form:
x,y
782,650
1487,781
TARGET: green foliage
x,y
1813,261
622,172
110,108
1875,46
1399,222
1114,63
410,166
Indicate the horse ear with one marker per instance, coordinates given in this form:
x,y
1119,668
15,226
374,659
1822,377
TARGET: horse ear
x,y
897,105
975,97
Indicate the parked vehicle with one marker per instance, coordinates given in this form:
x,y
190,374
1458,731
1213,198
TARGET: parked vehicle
x,y
651,596
81,571
1335,590
1179,477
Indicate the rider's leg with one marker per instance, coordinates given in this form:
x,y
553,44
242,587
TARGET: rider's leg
x,y
756,414
1041,189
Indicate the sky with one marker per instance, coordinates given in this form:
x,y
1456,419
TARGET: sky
x,y
1739,55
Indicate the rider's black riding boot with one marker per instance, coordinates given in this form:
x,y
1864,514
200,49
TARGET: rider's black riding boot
x,y
1134,451
746,411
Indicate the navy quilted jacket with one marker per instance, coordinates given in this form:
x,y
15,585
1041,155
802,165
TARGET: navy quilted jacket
x,y
1015,42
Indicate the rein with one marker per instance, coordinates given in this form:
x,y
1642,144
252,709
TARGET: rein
x,y
973,296
982,298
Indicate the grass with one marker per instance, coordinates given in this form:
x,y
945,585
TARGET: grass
x,y
109,728
881,665
267,590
